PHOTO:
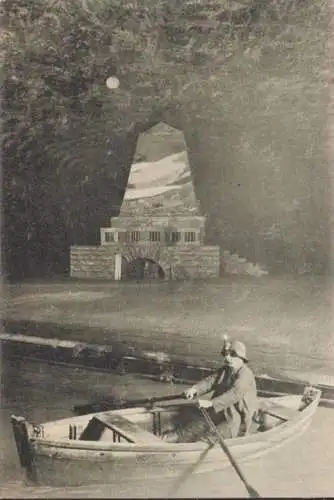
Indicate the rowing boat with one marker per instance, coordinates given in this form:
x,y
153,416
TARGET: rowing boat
x,y
126,445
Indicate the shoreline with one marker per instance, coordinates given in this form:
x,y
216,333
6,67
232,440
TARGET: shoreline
x,y
286,323
156,366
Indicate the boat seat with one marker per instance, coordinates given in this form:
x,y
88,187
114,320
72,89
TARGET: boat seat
x,y
276,410
125,428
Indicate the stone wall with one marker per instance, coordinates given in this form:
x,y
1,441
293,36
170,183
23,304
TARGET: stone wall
x,y
92,262
137,223
178,262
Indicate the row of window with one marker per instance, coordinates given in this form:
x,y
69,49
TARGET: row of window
x,y
134,236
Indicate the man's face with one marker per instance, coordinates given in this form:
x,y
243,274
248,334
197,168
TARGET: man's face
x,y
232,360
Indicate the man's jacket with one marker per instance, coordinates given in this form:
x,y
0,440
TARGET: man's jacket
x,y
230,390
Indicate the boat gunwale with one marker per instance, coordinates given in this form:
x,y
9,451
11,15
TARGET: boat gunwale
x,y
161,446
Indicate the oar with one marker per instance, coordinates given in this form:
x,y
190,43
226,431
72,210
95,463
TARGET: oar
x,y
272,414
188,472
112,405
251,491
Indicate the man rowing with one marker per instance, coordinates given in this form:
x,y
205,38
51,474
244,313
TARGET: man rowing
x,y
230,397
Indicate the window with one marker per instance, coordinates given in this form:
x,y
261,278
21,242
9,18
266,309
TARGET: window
x,y
109,237
175,236
154,236
135,235
189,236
128,236
172,236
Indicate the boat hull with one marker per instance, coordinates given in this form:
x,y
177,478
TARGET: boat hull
x,y
114,469
80,463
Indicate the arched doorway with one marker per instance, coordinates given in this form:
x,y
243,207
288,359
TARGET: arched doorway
x,y
142,268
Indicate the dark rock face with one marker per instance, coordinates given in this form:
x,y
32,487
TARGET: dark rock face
x,y
61,211
259,166
257,147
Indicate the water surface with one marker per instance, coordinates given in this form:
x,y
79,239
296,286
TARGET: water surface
x,y
41,392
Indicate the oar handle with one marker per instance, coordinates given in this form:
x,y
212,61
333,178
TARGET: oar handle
x,y
96,407
148,401
166,398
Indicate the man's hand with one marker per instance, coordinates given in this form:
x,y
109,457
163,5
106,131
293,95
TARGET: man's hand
x,y
204,403
190,393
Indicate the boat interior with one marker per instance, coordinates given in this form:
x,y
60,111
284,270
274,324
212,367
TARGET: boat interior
x,y
146,426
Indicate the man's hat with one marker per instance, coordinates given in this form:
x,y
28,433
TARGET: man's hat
x,y
240,349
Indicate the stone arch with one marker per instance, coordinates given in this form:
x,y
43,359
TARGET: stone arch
x,y
142,268
142,254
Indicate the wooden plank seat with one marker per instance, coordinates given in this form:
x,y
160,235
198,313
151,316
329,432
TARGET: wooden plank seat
x,y
121,426
276,410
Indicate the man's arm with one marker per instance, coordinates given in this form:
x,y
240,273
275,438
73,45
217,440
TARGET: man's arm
x,y
206,384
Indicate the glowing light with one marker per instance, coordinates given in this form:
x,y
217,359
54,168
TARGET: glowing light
x,y
112,82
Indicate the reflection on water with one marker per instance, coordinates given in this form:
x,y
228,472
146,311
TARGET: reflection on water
x,y
42,392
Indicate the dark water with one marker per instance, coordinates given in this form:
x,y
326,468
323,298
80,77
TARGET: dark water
x,y
286,322
42,392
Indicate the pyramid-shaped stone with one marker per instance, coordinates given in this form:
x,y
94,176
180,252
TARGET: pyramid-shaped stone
x,y
163,187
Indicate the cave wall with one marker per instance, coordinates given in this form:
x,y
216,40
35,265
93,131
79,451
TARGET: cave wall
x,y
256,134
256,139
45,211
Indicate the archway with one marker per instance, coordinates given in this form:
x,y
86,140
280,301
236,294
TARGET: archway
x,y
142,268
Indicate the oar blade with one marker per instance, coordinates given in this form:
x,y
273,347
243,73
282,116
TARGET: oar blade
x,y
252,492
